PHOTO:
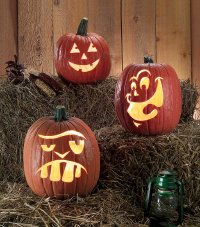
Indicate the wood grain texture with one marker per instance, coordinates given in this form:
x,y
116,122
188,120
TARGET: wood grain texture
x,y
104,19
8,32
173,35
132,28
138,30
35,40
195,37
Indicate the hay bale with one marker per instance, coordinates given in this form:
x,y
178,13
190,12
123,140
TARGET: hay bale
x,y
190,97
103,208
21,105
106,208
128,161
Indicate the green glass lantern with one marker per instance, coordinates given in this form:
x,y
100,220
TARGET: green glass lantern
x,y
164,200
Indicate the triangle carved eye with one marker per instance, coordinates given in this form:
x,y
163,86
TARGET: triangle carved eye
x,y
92,48
74,49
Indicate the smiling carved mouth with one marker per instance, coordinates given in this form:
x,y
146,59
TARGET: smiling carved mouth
x,y
84,68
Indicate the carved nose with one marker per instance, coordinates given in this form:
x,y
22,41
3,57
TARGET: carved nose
x,y
62,155
84,56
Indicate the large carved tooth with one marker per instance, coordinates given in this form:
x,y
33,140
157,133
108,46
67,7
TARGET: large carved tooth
x,y
44,172
78,171
55,171
68,175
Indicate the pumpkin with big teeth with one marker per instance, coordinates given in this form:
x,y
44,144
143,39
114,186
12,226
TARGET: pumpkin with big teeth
x,y
61,156
83,57
148,98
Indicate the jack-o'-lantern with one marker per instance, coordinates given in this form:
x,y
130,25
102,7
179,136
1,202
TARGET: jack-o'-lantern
x,y
83,57
148,98
61,156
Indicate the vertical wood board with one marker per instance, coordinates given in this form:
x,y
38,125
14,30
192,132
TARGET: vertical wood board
x,y
132,28
8,32
173,35
104,19
195,38
138,30
35,37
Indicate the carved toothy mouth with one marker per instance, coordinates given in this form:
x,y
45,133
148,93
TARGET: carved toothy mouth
x,y
68,173
84,68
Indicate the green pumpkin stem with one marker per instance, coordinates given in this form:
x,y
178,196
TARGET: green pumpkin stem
x,y
148,59
60,114
82,28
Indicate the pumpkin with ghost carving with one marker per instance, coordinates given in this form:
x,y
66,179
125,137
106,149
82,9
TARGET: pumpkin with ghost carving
x,y
83,57
61,156
148,98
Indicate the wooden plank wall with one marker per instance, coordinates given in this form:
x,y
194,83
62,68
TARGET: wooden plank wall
x,y
167,30
173,35
35,34
138,30
195,41
195,28
104,19
8,32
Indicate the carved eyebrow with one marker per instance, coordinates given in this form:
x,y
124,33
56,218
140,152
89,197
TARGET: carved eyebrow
x,y
66,133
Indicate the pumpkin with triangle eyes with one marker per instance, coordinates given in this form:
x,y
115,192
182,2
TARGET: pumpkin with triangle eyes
x,y
61,156
83,57
148,98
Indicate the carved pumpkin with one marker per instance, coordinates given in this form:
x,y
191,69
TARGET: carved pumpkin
x,y
82,57
148,98
61,156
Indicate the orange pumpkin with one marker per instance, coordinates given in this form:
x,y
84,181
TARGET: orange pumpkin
x,y
61,156
148,98
83,57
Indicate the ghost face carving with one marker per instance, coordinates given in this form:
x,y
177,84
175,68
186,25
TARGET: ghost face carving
x,y
148,98
72,169
140,83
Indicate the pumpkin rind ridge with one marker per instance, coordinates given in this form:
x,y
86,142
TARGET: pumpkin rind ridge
x,y
161,119
35,158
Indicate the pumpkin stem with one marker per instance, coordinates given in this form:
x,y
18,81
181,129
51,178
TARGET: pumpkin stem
x,y
148,59
60,114
82,28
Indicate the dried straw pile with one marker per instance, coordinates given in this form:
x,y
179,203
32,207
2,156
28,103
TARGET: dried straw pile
x,y
129,160
126,160
22,104
19,205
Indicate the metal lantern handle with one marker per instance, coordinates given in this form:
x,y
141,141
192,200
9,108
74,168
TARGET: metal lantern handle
x,y
149,196
180,200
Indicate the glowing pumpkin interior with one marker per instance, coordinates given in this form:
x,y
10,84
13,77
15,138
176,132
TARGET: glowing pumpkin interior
x,y
82,57
141,82
72,169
